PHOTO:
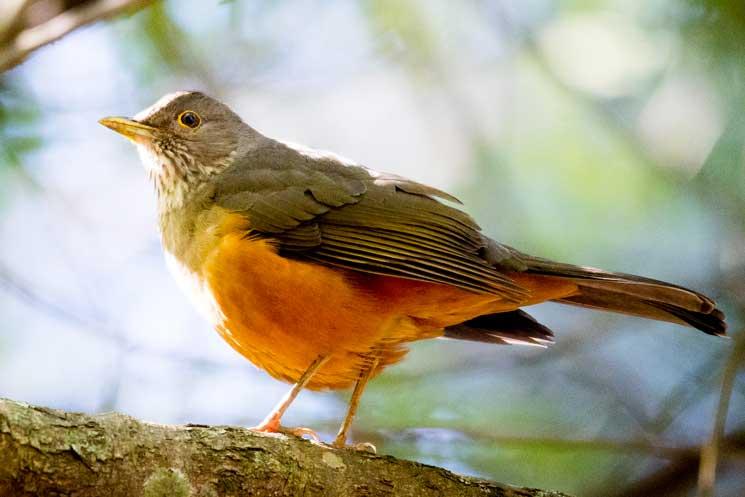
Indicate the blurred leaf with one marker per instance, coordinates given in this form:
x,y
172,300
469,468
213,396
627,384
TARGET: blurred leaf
x,y
715,33
18,134
722,178
156,45
719,23
575,472
401,26
715,29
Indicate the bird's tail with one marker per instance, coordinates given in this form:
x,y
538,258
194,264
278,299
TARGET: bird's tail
x,y
634,295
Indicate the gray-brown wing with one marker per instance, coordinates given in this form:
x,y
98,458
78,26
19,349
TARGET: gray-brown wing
x,y
319,209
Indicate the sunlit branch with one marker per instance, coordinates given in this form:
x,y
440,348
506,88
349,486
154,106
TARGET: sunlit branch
x,y
15,50
58,453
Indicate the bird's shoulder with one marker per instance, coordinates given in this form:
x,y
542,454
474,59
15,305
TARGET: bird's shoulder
x,y
314,202
304,183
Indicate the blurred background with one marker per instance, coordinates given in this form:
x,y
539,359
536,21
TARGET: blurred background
x,y
600,132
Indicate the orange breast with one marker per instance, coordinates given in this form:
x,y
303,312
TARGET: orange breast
x,y
281,314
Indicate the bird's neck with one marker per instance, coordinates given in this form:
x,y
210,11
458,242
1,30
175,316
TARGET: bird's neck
x,y
176,176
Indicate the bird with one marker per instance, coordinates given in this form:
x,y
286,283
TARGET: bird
x,y
321,271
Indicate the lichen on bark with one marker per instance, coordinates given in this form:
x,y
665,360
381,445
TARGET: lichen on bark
x,y
50,452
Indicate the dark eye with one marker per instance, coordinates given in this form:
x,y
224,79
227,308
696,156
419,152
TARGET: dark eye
x,y
189,119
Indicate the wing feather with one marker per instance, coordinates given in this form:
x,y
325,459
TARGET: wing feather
x,y
318,208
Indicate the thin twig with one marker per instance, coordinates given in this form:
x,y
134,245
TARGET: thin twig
x,y
689,389
604,445
24,292
736,450
710,451
27,294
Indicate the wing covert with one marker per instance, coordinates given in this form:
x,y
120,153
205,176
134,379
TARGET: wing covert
x,y
317,208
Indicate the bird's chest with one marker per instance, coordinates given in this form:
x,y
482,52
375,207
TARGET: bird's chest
x,y
188,237
195,287
279,313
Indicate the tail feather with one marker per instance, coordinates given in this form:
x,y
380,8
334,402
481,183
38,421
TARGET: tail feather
x,y
634,295
625,284
513,328
711,323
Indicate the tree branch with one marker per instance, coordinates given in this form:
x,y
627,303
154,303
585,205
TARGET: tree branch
x,y
20,43
50,452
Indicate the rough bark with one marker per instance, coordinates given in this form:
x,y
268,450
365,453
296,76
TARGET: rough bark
x,y
53,453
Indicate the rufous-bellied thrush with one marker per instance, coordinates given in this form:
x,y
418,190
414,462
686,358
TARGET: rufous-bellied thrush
x,y
320,271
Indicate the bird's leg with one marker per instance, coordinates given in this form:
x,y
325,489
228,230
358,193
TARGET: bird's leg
x,y
271,423
341,438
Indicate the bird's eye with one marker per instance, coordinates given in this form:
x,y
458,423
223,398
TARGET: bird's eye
x,y
189,119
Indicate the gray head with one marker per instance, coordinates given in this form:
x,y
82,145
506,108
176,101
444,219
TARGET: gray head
x,y
183,139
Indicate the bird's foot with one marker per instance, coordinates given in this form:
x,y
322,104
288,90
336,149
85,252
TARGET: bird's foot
x,y
274,426
361,447
364,447
300,431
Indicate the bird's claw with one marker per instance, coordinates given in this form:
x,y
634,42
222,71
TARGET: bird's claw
x,y
300,432
273,426
361,447
365,447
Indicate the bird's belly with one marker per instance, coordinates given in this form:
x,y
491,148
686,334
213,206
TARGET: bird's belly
x,y
282,314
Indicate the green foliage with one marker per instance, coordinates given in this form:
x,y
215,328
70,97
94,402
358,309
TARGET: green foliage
x,y
718,23
722,178
18,135
403,25
715,31
155,45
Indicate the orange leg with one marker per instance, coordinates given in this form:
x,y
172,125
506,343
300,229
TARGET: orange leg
x,y
271,423
341,438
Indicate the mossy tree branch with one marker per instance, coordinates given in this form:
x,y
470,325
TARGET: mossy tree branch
x,y
50,452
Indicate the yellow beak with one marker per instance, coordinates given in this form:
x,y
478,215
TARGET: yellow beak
x,y
137,132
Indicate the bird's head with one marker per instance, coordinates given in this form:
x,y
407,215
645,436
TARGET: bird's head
x,y
183,139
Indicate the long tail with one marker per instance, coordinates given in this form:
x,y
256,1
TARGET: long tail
x,y
634,295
